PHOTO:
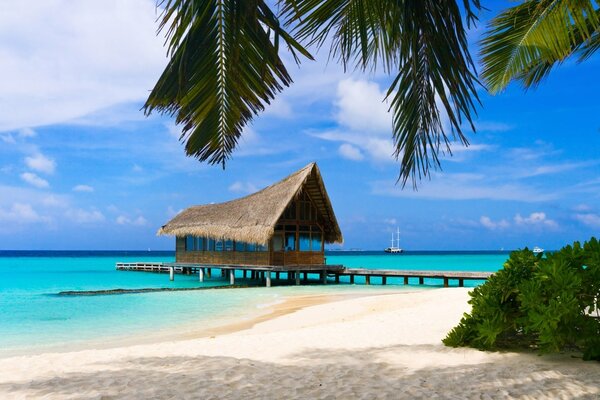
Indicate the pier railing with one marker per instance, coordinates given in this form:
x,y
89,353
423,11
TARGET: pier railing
x,y
293,273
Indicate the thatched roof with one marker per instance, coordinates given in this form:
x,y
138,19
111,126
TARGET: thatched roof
x,y
253,218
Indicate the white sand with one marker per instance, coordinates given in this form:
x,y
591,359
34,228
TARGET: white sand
x,y
371,347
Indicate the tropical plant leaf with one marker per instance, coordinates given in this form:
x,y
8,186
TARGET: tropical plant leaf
x,y
423,42
224,67
524,42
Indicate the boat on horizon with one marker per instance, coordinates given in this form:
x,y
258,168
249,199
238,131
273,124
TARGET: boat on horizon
x,y
537,250
395,249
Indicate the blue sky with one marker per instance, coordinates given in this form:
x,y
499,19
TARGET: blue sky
x,y
82,168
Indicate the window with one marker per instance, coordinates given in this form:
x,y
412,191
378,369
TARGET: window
x,y
210,245
218,245
250,247
228,245
261,247
316,241
290,241
277,243
200,243
189,243
240,246
304,241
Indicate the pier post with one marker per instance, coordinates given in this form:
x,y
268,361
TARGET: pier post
x,y
324,277
305,277
406,280
337,278
352,279
384,280
277,275
268,283
461,282
201,274
297,276
171,273
445,282
208,272
421,280
367,279
231,277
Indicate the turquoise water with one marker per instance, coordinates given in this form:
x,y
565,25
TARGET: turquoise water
x,y
34,319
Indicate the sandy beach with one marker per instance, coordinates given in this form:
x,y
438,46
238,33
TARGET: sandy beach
x,y
384,346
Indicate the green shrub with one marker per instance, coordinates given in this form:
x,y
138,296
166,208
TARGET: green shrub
x,y
547,303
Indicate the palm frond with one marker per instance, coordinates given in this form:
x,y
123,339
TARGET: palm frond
x,y
224,68
423,42
525,41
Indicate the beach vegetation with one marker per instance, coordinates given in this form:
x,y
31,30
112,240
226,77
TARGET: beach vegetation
x,y
549,303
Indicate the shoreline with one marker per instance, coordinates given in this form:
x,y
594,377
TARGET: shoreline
x,y
289,303
385,345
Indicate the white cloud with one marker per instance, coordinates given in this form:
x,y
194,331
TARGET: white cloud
x,y
41,163
21,213
83,188
488,223
242,187
390,221
171,212
535,219
81,216
8,139
361,107
124,220
491,126
27,133
57,65
279,108
589,219
34,180
464,186
56,201
350,152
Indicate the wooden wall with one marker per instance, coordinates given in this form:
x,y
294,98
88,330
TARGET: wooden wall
x,y
247,258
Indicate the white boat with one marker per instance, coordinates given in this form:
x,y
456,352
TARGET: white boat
x,y
394,249
537,250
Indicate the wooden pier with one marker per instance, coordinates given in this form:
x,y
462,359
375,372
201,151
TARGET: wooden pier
x,y
301,273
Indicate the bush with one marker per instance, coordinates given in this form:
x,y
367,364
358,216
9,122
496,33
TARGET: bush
x,y
546,303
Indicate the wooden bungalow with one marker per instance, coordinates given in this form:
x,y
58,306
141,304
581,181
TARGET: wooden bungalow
x,y
285,224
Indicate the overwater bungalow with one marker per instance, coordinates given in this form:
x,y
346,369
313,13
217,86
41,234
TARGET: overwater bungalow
x,y
285,224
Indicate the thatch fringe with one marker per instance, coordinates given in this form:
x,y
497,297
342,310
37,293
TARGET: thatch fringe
x,y
252,219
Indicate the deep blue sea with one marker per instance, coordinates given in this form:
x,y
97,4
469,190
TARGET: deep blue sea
x,y
33,318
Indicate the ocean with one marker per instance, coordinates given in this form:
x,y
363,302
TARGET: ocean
x,y
35,319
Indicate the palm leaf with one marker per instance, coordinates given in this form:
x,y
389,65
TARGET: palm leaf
x,y
424,43
224,68
525,41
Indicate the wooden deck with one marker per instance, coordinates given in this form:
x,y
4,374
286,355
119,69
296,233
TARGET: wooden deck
x,y
293,273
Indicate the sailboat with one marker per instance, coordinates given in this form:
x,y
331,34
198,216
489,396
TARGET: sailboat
x,y
395,249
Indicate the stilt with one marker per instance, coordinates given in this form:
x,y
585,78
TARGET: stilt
x,y
297,276
244,274
352,279
277,275
445,282
367,279
461,282
324,277
208,272
384,280
232,277
421,280
305,277
222,273
201,274
268,283
406,280
171,273
337,278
